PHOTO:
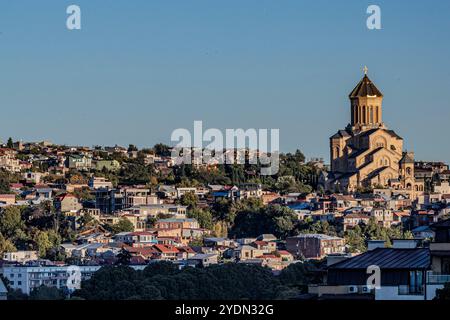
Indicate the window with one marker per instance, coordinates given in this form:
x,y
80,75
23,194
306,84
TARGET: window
x,y
415,282
371,114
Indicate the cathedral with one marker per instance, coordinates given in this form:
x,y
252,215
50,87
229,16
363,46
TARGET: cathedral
x,y
366,154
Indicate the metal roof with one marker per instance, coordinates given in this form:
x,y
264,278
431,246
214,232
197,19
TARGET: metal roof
x,y
365,88
388,258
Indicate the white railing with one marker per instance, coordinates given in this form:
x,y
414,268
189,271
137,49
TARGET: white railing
x,y
433,278
408,290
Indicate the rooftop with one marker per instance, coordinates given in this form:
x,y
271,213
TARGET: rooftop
x,y
388,258
365,88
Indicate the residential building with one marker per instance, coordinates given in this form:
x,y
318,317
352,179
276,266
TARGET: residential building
x,y
250,190
402,275
8,160
20,256
384,217
99,182
79,162
203,259
8,199
33,177
353,219
153,210
314,246
67,203
407,270
166,252
171,223
26,278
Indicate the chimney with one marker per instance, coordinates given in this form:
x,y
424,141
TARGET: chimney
x,y
374,244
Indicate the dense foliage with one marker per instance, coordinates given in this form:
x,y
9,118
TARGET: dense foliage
x,y
163,280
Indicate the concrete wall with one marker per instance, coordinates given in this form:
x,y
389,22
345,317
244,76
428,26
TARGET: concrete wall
x,y
391,293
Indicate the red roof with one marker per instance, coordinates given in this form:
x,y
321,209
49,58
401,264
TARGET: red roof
x,y
268,256
7,196
402,214
166,248
65,195
260,243
186,249
146,251
137,260
141,233
356,216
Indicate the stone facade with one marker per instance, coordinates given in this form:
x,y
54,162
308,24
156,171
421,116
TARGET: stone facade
x,y
366,154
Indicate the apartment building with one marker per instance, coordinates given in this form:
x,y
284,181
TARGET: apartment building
x,y
8,160
26,278
314,246
20,256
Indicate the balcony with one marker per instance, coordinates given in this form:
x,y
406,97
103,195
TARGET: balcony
x,y
406,290
434,278
440,246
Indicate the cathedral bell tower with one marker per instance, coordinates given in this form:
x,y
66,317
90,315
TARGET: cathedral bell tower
x,y
366,105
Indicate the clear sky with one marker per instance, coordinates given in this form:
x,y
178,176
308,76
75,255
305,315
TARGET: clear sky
x,y
140,69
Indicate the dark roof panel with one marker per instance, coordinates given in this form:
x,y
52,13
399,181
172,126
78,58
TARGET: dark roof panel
x,y
365,88
388,258
406,158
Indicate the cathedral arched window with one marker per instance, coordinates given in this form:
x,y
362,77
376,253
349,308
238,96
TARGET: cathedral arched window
x,y
336,152
408,171
371,114
364,115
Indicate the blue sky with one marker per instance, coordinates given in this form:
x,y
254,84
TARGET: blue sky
x,y
140,69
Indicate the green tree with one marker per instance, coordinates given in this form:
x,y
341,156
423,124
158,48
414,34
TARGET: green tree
x,y
5,180
11,224
189,199
203,216
42,242
46,293
132,147
123,257
355,240
10,143
6,245
300,275
274,219
444,293
162,150
123,225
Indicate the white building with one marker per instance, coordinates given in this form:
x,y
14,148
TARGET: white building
x,y
26,278
20,256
